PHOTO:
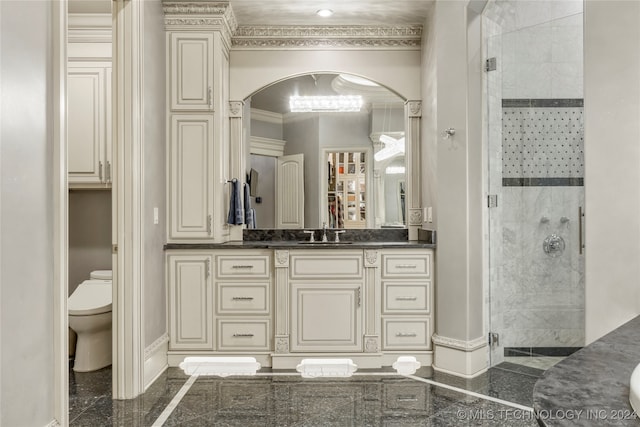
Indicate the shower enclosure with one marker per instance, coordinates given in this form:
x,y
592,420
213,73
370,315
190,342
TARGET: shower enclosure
x,y
534,137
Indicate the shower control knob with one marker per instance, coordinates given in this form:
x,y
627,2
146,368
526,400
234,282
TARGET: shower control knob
x,y
553,245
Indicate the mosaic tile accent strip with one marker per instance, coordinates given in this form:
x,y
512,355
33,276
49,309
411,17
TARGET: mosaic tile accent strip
x,y
542,142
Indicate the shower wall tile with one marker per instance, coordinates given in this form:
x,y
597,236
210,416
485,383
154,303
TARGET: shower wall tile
x,y
542,142
567,80
531,282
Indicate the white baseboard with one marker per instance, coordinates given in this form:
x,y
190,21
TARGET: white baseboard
x,y
53,423
466,359
155,360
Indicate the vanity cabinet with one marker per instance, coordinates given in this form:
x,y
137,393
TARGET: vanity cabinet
x,y
406,300
219,301
243,301
327,317
89,124
190,301
285,305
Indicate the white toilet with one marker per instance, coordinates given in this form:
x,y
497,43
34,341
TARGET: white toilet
x,y
101,275
90,317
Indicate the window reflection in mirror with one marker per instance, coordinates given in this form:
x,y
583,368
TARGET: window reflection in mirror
x,y
351,162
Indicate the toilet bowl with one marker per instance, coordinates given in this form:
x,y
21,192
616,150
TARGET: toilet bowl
x,y
101,275
90,317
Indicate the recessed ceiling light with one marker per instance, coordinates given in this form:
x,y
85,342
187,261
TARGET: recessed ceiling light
x,y
325,13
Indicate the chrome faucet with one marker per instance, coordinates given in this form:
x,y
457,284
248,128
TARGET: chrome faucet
x,y
338,233
311,234
324,232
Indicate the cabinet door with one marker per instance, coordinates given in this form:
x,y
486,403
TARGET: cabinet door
x,y
108,142
191,71
326,317
191,177
86,125
190,302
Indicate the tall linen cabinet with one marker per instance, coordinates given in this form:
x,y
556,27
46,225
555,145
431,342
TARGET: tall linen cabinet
x,y
198,39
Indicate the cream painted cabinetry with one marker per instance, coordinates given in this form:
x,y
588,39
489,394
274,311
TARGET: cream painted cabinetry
x,y
282,306
407,300
191,71
370,305
89,124
190,300
191,177
197,139
243,301
326,301
220,301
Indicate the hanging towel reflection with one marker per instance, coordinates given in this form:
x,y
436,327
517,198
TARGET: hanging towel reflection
x,y
249,215
236,214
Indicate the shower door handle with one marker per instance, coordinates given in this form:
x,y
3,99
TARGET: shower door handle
x,y
580,226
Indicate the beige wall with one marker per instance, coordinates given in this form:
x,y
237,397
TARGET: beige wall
x,y
154,171
89,234
397,70
612,164
26,214
458,186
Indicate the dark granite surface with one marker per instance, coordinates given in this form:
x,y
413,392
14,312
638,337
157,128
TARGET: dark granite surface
x,y
362,400
297,239
591,387
287,244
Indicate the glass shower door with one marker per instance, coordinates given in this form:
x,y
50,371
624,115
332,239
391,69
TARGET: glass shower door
x,y
534,122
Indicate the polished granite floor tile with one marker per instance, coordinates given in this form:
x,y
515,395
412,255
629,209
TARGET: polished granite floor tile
x,y
365,399
539,362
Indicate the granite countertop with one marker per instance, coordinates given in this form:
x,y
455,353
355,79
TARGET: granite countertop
x,y
292,244
297,239
591,387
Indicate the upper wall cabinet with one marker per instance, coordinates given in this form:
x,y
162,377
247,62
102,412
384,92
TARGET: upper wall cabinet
x,y
89,124
191,71
90,163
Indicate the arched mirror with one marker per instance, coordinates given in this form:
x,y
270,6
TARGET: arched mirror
x,y
329,149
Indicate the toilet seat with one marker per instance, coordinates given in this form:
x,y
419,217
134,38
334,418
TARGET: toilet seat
x,y
101,275
90,297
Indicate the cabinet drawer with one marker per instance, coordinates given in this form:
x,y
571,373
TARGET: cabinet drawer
x,y
242,298
253,266
243,335
406,265
407,334
403,397
338,265
400,298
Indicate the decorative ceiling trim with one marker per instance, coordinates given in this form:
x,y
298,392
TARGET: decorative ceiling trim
x,y
266,146
334,37
266,116
198,16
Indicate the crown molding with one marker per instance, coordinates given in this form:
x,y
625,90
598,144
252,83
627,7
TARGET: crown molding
x,y
199,16
89,28
334,37
266,146
266,116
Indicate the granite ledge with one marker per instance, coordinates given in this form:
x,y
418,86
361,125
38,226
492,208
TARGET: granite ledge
x,y
591,387
284,244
